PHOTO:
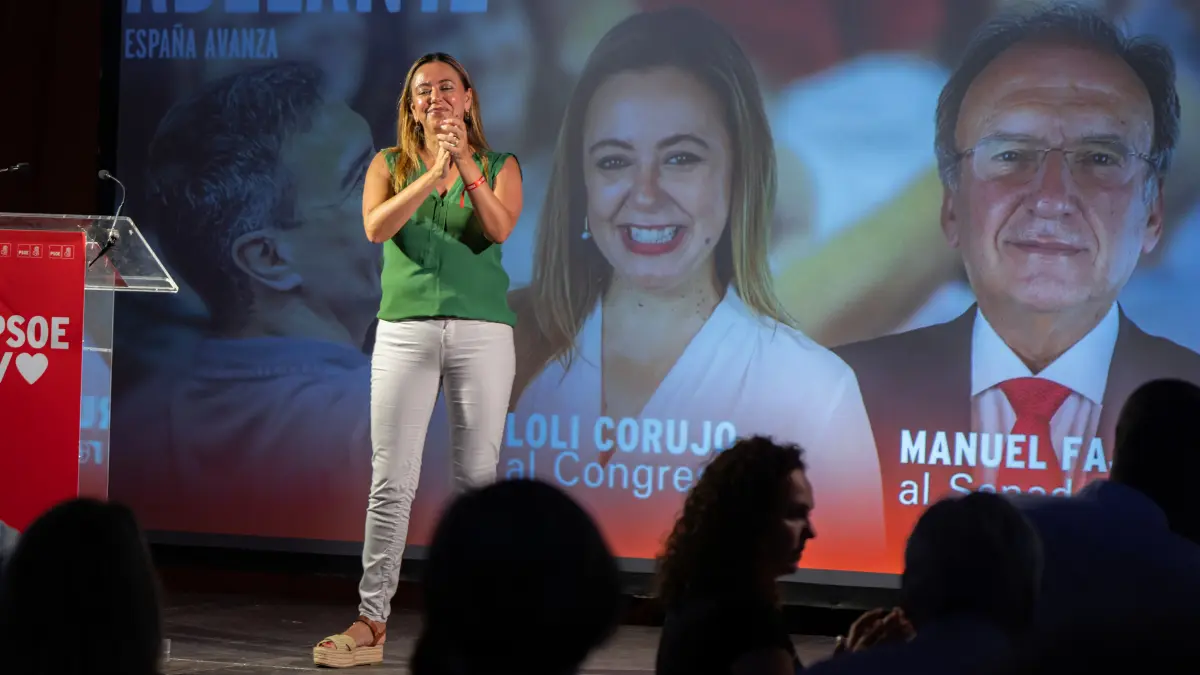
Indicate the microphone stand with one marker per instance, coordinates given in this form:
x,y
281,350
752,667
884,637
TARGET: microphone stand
x,y
113,235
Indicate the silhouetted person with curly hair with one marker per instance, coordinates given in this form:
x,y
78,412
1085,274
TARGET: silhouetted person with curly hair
x,y
744,525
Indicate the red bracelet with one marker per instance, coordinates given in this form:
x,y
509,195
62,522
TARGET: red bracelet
x,y
462,199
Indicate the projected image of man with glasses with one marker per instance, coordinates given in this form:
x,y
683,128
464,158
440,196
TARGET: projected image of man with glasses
x,y
1053,139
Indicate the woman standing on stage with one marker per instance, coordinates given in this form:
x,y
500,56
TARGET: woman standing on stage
x,y
441,202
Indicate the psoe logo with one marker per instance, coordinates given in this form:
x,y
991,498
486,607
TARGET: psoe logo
x,y
36,333
298,6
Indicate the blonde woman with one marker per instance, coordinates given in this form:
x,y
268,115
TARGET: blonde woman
x,y
441,202
651,335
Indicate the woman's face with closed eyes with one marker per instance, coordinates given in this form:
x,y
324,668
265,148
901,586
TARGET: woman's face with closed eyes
x,y
657,169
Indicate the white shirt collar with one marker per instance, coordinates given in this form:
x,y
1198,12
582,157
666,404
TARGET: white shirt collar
x,y
1083,368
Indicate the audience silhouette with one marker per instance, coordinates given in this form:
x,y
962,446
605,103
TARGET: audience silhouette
x,y
80,595
970,583
1129,545
744,525
1134,644
519,582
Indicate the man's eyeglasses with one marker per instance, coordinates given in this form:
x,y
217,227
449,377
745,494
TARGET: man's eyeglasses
x,y
1098,165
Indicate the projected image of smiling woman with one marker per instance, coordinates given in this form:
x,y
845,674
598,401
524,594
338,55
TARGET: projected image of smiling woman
x,y
657,171
651,320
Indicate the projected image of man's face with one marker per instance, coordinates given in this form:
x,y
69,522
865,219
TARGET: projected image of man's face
x,y
657,168
1040,227
336,267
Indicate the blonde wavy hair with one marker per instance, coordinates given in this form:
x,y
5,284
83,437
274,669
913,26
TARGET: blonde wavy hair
x,y
570,275
410,135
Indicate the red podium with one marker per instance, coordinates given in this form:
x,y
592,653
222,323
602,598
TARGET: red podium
x,y
58,278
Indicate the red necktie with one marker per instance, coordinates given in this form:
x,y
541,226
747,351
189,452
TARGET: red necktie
x,y
1034,401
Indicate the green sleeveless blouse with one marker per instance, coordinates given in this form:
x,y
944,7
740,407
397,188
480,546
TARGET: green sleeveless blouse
x,y
440,264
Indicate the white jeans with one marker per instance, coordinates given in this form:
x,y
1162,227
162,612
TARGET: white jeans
x,y
474,362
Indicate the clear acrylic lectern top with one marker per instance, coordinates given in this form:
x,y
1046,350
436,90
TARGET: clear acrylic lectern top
x,y
128,265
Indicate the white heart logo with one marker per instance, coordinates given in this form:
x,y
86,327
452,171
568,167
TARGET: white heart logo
x,y
32,366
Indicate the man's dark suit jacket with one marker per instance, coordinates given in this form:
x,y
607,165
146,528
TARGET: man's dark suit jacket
x,y
921,379
955,646
1109,557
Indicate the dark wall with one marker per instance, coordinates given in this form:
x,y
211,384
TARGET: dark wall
x,y
52,112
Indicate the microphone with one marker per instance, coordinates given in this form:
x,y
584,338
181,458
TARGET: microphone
x,y
20,167
105,175
113,235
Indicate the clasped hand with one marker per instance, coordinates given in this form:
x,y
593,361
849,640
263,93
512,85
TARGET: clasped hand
x,y
452,140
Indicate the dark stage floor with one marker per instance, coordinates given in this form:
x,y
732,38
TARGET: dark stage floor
x,y
243,612
227,634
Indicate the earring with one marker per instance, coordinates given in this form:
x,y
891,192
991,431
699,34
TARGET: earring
x,y
467,117
586,234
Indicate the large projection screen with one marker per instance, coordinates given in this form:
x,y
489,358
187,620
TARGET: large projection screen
x,y
790,192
